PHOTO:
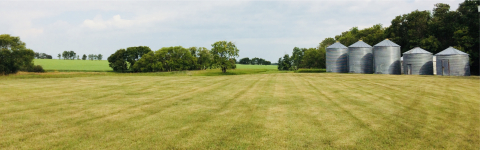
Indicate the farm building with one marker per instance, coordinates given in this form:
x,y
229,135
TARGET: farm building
x,y
418,61
360,58
336,58
452,62
386,56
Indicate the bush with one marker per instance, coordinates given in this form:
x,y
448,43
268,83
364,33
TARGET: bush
x,y
310,70
37,68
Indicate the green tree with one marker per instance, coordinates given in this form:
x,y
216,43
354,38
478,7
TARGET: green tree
x,y
99,57
59,56
14,56
135,53
149,62
118,60
223,52
245,60
285,63
84,57
314,58
297,57
204,59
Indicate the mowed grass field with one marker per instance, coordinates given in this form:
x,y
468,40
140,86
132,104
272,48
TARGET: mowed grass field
x,y
102,65
252,111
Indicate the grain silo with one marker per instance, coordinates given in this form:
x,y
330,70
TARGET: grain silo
x,y
417,61
337,58
360,58
452,62
387,57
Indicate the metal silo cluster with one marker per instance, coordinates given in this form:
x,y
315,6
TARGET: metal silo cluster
x,y
360,58
417,61
337,59
384,58
386,55
452,62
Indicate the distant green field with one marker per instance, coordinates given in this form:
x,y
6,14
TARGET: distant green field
x,y
240,66
73,65
102,65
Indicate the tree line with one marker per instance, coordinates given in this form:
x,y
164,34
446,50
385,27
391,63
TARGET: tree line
x,y
42,56
175,58
303,58
14,56
254,61
431,30
71,55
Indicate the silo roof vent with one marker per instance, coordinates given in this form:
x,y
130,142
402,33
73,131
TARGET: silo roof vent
x,y
451,51
360,43
417,50
337,45
388,43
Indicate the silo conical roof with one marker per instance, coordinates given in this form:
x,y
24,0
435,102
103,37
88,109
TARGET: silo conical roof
x,y
451,51
360,43
337,45
417,50
388,43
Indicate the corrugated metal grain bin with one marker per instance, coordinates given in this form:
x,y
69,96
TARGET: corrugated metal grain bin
x,y
452,62
418,61
401,63
337,58
360,58
387,57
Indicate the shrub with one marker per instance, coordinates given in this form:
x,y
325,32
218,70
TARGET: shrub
x,y
37,68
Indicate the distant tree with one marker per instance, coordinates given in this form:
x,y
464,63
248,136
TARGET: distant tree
x,y
72,55
78,57
14,56
285,63
84,57
118,61
65,55
149,62
37,55
297,56
223,52
245,60
133,54
314,58
99,57
204,58
59,56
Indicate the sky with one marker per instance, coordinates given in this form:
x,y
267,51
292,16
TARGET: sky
x,y
264,29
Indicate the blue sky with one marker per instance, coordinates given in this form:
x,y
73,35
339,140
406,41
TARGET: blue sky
x,y
265,29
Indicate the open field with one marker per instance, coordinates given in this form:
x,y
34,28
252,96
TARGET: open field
x,y
102,65
73,65
253,111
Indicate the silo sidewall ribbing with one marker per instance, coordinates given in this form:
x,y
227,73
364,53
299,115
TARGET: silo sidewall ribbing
x,y
360,60
458,65
421,64
387,60
336,60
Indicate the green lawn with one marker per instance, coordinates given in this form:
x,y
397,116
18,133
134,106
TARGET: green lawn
x,y
253,111
241,66
102,65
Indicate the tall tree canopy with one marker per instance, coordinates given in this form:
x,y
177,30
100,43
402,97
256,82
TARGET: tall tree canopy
x,y
224,54
118,61
14,55
133,54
